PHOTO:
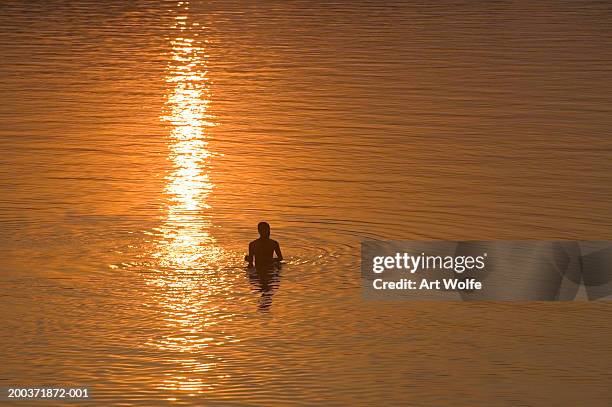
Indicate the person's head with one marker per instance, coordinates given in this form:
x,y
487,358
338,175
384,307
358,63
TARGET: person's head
x,y
264,229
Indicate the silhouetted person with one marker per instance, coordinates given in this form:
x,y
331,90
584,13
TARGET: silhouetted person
x,y
261,251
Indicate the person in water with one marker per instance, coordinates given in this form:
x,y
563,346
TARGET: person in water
x,y
262,250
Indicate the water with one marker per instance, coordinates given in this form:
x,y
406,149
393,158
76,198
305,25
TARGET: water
x,y
142,141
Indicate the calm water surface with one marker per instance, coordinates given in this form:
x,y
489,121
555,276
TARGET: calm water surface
x,y
142,141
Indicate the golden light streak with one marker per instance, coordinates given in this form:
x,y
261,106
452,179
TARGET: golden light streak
x,y
186,254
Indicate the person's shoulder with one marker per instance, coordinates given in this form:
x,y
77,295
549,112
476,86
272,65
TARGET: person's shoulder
x,y
274,242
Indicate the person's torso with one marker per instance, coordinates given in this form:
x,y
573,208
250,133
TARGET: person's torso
x,y
264,250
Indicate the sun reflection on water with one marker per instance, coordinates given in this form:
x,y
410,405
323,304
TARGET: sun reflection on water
x,y
187,240
186,254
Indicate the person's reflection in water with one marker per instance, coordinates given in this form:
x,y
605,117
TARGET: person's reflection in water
x,y
266,273
265,281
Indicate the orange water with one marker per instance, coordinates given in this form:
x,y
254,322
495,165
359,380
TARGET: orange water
x,y
142,142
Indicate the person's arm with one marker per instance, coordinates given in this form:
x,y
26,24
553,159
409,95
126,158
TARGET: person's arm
x,y
249,257
277,250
